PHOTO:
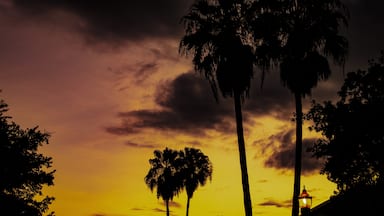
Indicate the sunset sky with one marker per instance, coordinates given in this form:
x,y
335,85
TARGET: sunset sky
x,y
105,79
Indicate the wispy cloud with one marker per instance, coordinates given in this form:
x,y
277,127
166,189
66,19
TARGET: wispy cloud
x,y
173,204
278,204
282,153
158,210
137,145
194,143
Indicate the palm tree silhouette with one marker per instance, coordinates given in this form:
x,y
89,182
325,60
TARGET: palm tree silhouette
x,y
164,175
215,35
196,170
312,34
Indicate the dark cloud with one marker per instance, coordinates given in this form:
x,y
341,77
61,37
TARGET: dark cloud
x,y
136,145
187,105
115,20
191,97
273,203
158,210
263,181
174,204
137,209
283,155
171,203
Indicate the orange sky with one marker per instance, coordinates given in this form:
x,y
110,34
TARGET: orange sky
x,y
111,96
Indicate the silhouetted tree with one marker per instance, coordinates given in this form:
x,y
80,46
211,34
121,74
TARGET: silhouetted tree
x,y
164,174
310,34
23,171
197,169
352,129
215,33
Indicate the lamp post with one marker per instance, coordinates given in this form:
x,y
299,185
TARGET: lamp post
x,y
305,202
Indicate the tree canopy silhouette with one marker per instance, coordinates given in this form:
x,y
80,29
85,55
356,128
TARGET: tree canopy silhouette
x,y
164,175
172,171
352,129
23,171
197,169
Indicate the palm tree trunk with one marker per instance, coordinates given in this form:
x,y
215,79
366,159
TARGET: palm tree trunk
x,y
167,206
299,144
188,200
242,153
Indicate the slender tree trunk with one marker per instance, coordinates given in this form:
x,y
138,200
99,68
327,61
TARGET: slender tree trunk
x,y
188,200
167,206
299,144
242,153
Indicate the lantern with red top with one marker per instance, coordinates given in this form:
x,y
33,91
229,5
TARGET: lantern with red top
x,y
305,202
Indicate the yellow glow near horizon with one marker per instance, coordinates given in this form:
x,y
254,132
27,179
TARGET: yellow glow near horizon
x,y
110,181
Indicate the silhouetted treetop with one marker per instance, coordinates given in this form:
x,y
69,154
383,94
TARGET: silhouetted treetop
x,y
172,171
353,129
23,171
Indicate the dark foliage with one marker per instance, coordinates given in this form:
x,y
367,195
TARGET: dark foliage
x,y
164,174
197,169
353,129
172,171
23,171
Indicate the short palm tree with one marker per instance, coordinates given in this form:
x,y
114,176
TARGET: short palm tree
x,y
197,169
216,36
312,33
164,175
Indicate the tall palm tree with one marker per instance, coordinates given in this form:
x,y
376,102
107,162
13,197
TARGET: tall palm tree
x,y
216,36
197,169
312,33
164,175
